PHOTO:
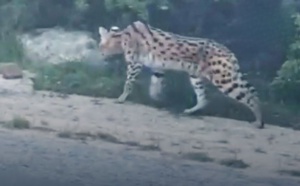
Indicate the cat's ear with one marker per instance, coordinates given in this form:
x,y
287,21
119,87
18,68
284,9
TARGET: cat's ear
x,y
102,31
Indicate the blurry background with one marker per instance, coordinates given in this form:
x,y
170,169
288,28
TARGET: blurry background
x,y
57,40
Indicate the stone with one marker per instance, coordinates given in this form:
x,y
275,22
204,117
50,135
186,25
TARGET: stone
x,y
58,45
11,71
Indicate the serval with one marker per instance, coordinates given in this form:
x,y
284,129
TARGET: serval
x,y
144,45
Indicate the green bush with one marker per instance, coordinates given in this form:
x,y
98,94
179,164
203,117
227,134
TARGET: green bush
x,y
78,78
18,123
14,15
10,48
136,6
287,83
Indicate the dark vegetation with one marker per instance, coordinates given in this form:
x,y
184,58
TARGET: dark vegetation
x,y
294,173
264,34
234,163
17,123
198,156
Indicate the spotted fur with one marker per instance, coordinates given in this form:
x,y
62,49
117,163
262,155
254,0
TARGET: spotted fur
x,y
144,45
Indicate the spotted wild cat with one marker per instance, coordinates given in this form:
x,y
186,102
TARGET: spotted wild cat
x,y
144,45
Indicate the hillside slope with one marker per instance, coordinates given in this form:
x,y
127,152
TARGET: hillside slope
x,y
206,139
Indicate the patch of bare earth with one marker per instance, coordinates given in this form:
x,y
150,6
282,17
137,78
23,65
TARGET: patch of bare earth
x,y
226,142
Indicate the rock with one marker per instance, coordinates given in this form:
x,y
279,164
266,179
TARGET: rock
x,y
11,71
17,86
57,45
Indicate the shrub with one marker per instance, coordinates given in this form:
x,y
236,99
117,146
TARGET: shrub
x,y
79,78
18,123
287,83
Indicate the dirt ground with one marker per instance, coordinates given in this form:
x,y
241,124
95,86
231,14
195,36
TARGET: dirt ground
x,y
270,152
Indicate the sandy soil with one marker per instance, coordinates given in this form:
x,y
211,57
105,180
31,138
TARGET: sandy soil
x,y
35,159
266,151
